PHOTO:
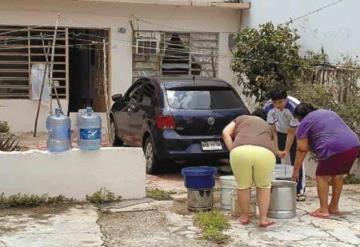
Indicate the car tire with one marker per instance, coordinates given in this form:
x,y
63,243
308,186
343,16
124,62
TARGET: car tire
x,y
115,140
152,163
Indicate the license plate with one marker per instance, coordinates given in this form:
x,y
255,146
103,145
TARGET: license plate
x,y
211,146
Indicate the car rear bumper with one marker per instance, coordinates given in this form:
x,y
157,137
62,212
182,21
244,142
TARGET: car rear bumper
x,y
174,146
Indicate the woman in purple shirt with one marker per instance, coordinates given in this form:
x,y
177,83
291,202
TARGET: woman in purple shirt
x,y
336,147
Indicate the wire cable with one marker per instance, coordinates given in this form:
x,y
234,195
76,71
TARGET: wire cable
x,y
312,12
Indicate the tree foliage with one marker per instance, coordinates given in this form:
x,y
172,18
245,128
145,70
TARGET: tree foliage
x,y
265,58
268,57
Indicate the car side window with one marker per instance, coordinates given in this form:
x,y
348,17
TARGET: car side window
x,y
133,94
147,94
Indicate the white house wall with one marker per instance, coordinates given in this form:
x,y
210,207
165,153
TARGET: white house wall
x,y
113,16
20,114
335,28
74,174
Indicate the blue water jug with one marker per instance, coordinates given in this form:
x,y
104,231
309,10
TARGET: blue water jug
x,y
89,127
58,126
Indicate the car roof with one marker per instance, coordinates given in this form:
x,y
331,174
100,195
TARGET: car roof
x,y
190,81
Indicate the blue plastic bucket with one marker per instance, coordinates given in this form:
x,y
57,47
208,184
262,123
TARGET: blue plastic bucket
x,y
200,177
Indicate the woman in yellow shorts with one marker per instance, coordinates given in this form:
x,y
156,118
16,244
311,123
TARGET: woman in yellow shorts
x,y
252,159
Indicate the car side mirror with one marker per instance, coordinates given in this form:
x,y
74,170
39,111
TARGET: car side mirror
x,y
133,105
117,97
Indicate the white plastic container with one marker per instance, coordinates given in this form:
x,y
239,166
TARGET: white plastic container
x,y
282,171
235,206
227,186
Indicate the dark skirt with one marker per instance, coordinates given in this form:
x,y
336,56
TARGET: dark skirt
x,y
337,164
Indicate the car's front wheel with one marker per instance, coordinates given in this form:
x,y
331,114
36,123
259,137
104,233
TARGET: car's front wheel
x,y
152,162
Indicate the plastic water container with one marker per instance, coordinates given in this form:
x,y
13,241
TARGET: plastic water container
x,y
89,128
201,177
283,172
227,186
79,114
58,126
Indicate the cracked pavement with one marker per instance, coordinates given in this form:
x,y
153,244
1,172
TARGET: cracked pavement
x,y
168,223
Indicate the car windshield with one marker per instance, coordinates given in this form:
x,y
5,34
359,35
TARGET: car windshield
x,y
203,99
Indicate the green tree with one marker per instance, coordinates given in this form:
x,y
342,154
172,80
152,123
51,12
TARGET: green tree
x,y
265,58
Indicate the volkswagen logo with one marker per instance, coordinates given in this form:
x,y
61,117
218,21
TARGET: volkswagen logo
x,y
211,121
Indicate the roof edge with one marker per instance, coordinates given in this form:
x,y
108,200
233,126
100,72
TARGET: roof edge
x,y
185,3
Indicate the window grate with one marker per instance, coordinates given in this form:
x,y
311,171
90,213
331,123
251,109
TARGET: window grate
x,y
175,53
21,48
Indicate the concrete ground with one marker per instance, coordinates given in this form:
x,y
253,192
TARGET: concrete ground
x,y
168,223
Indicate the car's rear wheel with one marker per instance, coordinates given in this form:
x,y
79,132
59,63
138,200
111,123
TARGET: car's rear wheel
x,y
153,164
114,139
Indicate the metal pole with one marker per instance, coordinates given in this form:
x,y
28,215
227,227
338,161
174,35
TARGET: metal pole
x,y
52,68
46,53
106,90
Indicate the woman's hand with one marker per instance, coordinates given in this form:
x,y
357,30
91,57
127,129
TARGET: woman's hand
x,y
282,154
295,175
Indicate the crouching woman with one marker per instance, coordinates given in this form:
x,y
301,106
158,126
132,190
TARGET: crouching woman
x,y
336,147
252,158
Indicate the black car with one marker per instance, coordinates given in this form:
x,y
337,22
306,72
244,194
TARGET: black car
x,y
178,118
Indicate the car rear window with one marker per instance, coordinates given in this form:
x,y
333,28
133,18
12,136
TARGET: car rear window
x,y
203,99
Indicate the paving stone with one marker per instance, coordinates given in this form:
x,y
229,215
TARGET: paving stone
x,y
77,226
74,227
193,228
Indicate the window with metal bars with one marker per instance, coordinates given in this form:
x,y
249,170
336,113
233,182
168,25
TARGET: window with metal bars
x,y
176,53
20,49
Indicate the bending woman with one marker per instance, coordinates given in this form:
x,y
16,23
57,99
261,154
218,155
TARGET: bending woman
x,y
336,147
252,160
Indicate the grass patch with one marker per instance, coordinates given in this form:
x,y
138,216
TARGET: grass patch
x,y
102,196
213,224
159,195
23,200
351,179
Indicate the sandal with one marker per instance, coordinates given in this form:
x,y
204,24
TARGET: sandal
x,y
300,197
244,222
320,215
264,225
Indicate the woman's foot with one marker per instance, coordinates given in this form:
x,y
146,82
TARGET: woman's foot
x,y
335,211
244,220
320,214
266,223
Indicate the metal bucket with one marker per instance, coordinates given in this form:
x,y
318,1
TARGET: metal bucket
x,y
283,199
235,206
200,199
227,185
